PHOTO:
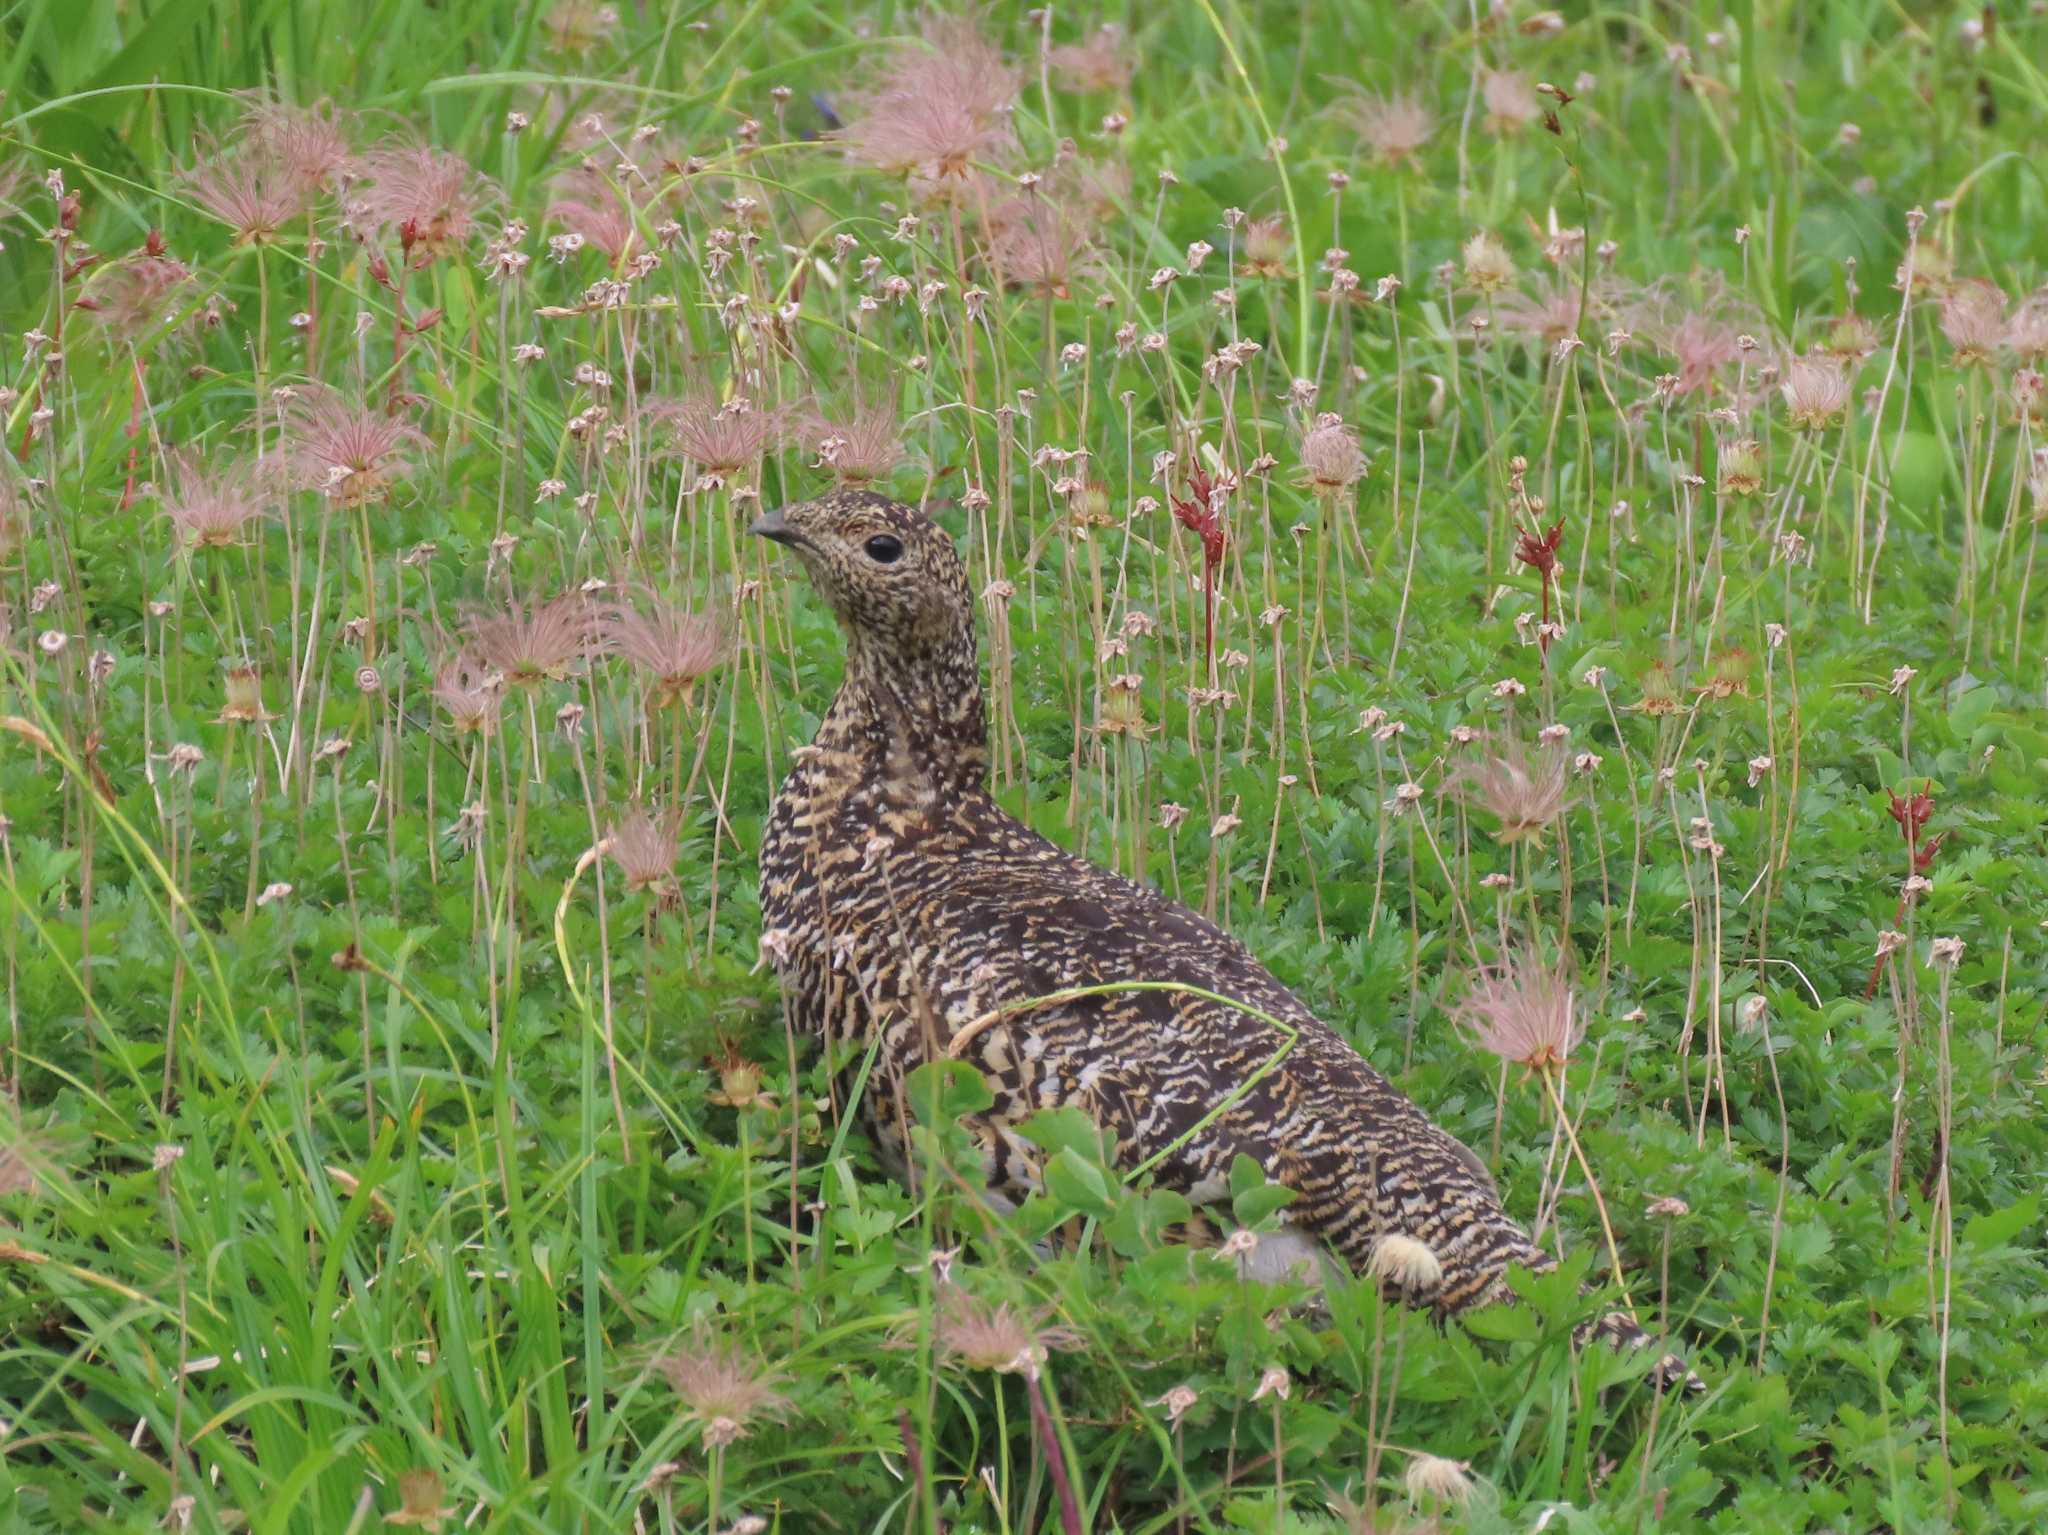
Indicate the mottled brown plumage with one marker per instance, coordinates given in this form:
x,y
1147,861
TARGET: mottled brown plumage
x,y
898,895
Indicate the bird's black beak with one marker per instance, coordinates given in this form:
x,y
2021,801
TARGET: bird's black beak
x,y
773,525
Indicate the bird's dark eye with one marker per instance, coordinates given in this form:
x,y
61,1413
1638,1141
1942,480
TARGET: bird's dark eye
x,y
885,548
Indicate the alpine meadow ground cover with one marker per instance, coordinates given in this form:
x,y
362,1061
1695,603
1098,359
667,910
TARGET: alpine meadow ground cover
x,y
1535,519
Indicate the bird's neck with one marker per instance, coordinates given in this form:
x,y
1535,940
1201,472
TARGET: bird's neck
x,y
918,719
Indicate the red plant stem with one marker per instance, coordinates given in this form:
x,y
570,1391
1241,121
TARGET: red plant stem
x,y
1070,1510
134,430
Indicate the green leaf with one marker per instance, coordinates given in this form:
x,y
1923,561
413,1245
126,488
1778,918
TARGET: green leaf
x,y
1075,1181
942,1091
1997,1228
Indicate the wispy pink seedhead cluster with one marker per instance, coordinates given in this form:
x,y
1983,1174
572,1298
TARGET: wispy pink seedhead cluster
x,y
1393,129
1102,63
1972,314
532,642
1511,101
943,105
1816,391
1045,245
313,146
423,200
857,446
470,693
723,438
252,195
1525,791
211,506
1523,1011
671,645
138,293
597,210
1331,459
350,452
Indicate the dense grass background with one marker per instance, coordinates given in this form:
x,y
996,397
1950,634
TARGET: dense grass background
x,y
375,1149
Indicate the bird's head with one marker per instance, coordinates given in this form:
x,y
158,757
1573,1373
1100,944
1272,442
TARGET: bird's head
x,y
888,571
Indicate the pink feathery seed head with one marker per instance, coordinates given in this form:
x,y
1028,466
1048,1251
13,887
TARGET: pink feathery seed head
x,y
943,104
994,1337
671,644
1552,312
1816,390
1849,338
310,145
533,642
721,439
1331,459
1268,244
344,449
472,695
209,507
246,189
1510,98
426,199
1101,64
644,846
934,137
723,1393
1525,792
857,448
1702,346
2027,331
1043,245
135,294
1395,129
597,212
1524,1012
1973,319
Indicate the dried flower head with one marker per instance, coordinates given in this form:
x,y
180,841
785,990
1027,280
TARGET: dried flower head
x,y
528,643
1526,793
1433,1479
1268,245
1394,128
1660,691
723,1393
671,644
1488,266
419,1497
209,508
472,695
308,145
942,106
1510,98
1742,467
426,199
1523,1012
644,846
252,192
720,439
983,1337
135,294
1331,459
1815,390
243,703
859,448
343,448
1045,244
1101,64
1973,320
